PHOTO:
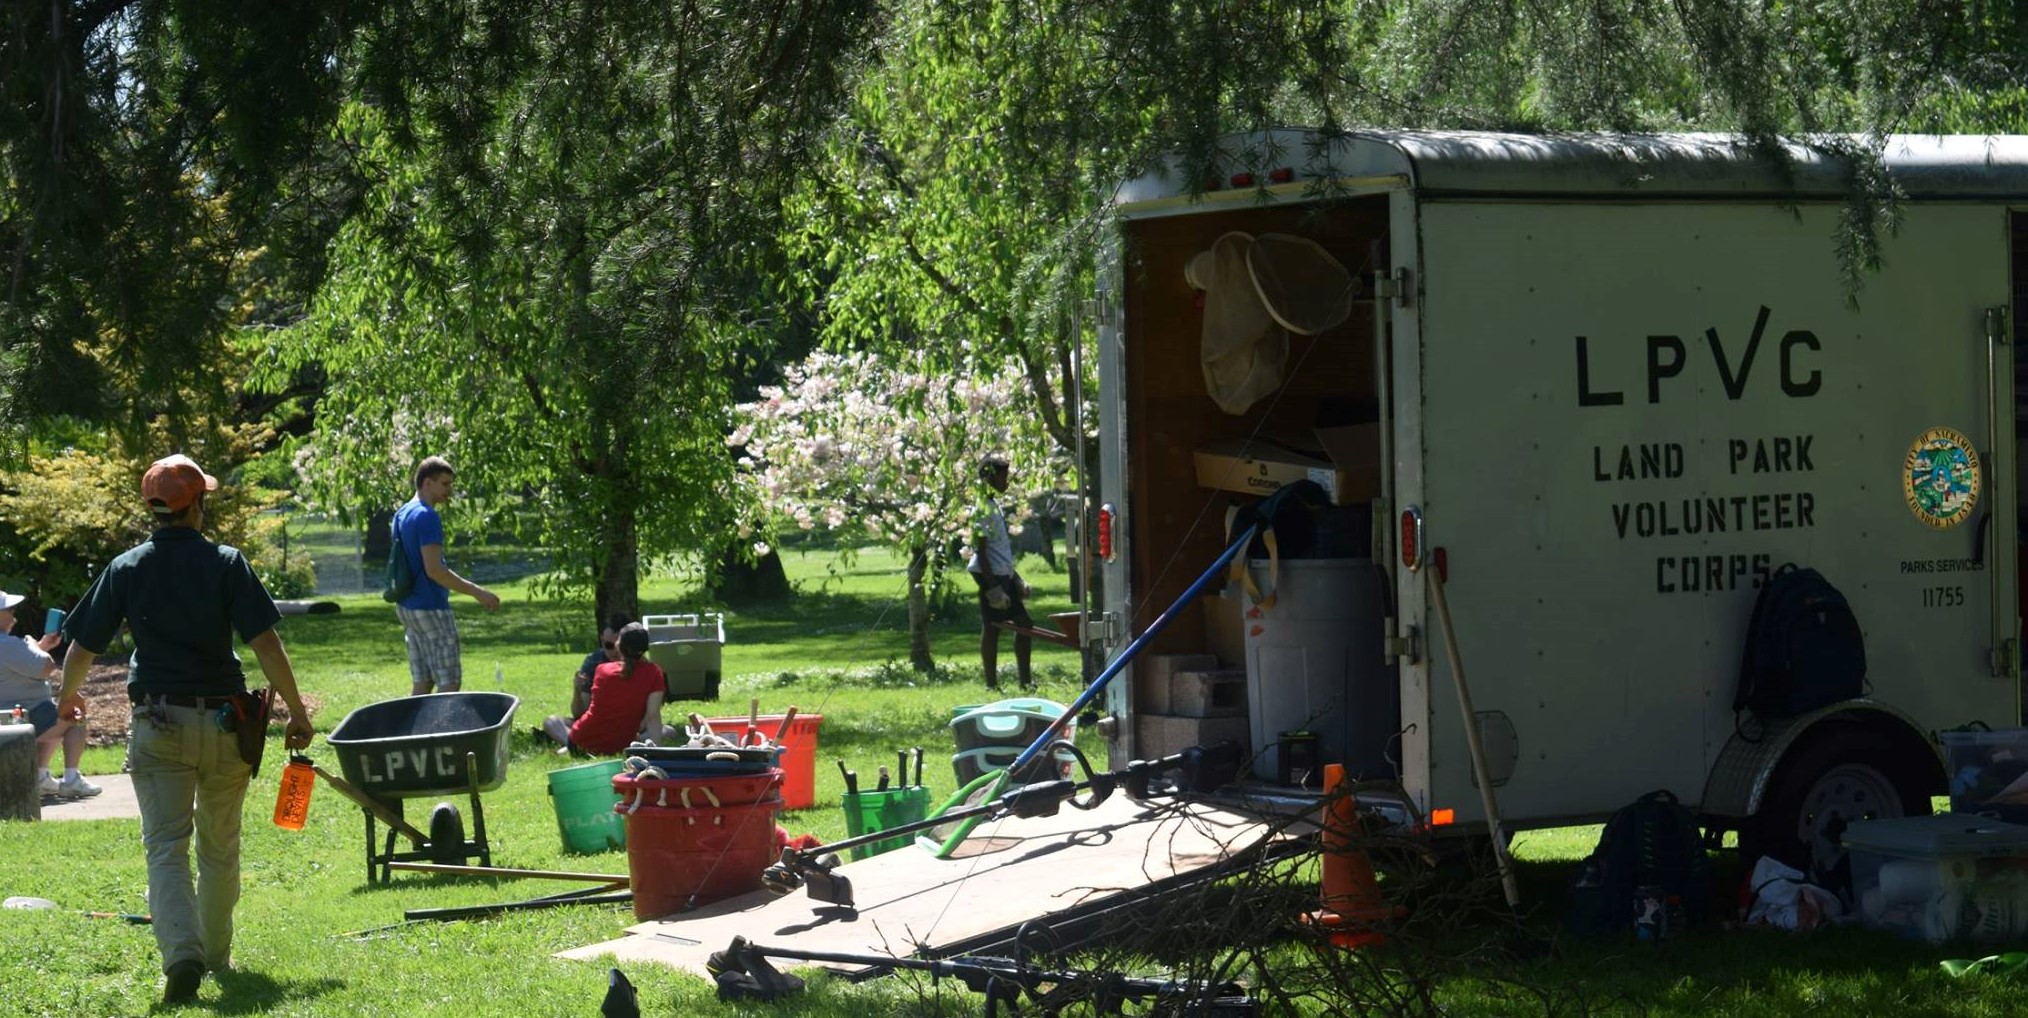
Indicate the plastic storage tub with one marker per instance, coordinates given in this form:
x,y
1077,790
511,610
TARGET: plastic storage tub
x,y
416,745
990,736
799,757
1944,877
1989,772
583,798
689,650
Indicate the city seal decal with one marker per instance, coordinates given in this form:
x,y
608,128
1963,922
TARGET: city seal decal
x,y
1940,478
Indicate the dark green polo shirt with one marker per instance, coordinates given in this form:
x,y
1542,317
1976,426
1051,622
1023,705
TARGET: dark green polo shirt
x,y
184,598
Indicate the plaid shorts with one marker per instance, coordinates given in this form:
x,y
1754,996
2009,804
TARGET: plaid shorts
x,y
433,651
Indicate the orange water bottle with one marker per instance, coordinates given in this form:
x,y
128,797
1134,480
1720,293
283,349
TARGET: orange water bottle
x,y
292,804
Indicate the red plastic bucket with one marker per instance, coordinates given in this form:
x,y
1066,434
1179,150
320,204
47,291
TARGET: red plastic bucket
x,y
677,855
799,762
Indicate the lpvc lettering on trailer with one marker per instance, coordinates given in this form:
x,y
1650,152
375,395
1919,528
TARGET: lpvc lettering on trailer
x,y
1667,357
1706,514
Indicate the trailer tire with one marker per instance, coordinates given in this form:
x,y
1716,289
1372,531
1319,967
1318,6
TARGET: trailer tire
x,y
1848,772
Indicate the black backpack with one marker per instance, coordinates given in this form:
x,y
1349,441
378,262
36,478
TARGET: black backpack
x,y
1804,649
1649,873
400,581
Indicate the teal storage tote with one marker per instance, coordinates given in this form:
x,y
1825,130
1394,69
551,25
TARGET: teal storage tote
x,y
989,737
584,798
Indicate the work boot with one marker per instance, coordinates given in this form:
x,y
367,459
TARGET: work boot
x,y
181,986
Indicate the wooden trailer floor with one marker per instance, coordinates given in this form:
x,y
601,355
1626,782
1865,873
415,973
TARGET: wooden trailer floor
x,y
1007,873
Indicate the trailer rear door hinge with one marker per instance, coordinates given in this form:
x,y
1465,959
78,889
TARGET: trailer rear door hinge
x,y
1405,648
2007,657
1105,629
1395,288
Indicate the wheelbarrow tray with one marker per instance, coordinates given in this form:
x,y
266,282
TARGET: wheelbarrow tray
x,y
417,745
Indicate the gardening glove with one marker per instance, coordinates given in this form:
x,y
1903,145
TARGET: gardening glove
x,y
997,599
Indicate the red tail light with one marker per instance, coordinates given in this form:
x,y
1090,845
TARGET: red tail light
x,y
1105,532
1411,538
1282,174
1242,180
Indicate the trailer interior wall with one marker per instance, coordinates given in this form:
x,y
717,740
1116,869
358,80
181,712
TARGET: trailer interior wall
x,y
1176,528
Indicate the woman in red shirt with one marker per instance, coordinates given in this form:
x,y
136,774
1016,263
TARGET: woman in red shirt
x,y
626,702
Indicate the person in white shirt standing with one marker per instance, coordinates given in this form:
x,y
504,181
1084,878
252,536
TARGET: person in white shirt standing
x,y
1001,589
25,671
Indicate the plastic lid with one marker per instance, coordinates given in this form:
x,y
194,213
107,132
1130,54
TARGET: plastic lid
x,y
1939,836
1048,710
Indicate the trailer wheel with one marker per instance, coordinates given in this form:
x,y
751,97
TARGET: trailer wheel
x,y
1847,774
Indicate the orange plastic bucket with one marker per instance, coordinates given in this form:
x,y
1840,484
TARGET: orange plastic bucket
x,y
799,757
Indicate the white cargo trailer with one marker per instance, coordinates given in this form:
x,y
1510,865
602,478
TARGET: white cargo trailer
x,y
1608,384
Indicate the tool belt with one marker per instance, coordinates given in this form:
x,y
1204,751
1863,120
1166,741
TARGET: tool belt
x,y
245,715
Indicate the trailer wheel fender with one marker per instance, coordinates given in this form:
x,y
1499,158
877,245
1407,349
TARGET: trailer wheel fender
x,y
1738,785
1853,765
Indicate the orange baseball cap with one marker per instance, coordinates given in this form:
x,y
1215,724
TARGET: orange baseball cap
x,y
174,482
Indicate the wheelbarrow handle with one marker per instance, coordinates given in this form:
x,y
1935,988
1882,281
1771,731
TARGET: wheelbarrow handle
x,y
372,805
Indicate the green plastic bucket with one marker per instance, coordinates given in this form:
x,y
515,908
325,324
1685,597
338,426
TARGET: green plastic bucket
x,y
584,798
866,812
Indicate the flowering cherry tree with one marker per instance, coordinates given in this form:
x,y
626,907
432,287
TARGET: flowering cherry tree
x,y
851,443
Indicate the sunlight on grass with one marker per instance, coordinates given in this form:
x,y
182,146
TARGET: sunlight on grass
x,y
837,650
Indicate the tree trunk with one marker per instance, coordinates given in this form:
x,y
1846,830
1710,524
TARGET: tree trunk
x,y
735,581
919,612
19,797
619,583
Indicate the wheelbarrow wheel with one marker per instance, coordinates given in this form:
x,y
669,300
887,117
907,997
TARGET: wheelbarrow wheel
x,y
447,834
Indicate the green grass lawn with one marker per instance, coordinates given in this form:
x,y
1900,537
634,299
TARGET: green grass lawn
x,y
834,651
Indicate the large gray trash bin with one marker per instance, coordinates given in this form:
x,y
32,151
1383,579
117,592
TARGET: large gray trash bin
x,y
688,648
1313,662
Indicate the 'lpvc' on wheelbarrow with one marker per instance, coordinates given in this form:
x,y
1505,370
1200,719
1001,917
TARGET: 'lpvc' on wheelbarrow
x,y
438,744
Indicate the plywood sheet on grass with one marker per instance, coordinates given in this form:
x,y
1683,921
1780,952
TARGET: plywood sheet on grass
x,y
1011,871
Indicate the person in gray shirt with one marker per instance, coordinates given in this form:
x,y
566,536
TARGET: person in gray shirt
x,y
25,671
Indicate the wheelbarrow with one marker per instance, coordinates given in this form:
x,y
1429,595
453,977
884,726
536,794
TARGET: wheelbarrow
x,y
418,746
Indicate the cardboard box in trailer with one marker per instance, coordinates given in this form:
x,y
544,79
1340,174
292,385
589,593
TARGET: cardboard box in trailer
x,y
1608,385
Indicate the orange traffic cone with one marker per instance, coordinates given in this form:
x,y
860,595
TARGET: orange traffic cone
x,y
1352,904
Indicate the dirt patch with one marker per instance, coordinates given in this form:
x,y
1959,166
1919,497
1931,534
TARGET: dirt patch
x,y
107,709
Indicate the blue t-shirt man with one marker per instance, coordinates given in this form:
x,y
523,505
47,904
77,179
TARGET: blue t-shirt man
x,y
435,654
416,525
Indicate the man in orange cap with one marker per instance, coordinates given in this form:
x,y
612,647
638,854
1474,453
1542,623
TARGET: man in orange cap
x,y
183,598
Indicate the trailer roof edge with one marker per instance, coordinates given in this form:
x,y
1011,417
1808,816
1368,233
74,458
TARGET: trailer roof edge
x,y
1658,166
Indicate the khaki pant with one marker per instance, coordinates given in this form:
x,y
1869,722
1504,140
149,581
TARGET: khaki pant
x,y
189,779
